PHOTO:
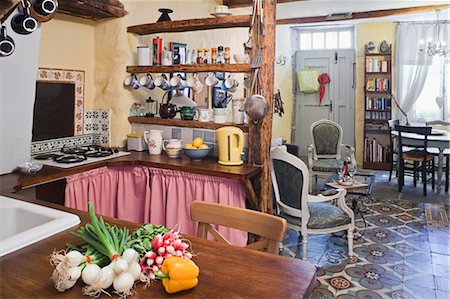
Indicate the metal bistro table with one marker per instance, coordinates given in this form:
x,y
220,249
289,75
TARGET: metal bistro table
x,y
440,141
359,199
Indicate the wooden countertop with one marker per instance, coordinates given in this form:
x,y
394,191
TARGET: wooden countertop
x,y
16,181
225,271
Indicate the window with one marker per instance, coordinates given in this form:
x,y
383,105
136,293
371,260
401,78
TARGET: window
x,y
329,39
433,102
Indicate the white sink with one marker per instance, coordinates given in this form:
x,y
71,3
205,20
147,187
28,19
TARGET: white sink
x,y
24,223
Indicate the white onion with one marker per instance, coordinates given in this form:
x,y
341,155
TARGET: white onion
x,y
74,273
107,277
120,265
135,270
124,282
130,255
66,284
91,274
74,258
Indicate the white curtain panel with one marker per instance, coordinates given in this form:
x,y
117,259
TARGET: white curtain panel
x,y
412,66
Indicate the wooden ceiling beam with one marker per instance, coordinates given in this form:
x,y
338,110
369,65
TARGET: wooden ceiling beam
x,y
6,6
244,3
366,14
92,9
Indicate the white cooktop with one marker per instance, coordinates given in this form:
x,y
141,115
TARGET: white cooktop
x,y
87,161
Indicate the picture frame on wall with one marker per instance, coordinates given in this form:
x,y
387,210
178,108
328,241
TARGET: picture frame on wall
x,y
179,52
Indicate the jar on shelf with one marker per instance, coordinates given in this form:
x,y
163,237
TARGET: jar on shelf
x,y
220,54
194,57
206,59
227,55
134,110
199,55
213,55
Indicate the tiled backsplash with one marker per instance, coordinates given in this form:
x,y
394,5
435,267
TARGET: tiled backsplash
x,y
185,134
97,121
39,147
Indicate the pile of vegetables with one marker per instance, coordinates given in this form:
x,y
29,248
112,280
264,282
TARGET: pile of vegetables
x,y
111,257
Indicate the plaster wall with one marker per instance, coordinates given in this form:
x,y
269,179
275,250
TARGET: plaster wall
x,y
68,43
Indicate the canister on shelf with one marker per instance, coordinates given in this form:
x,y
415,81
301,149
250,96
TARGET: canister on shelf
x,y
199,55
227,55
213,55
220,54
206,59
143,53
157,50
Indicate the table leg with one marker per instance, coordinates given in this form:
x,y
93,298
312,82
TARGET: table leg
x,y
439,174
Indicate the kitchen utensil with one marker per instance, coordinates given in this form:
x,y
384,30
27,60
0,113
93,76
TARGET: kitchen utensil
x,y
256,107
7,44
211,80
162,82
172,144
177,82
167,110
29,167
230,142
240,58
147,81
164,15
230,84
153,138
23,22
151,107
197,154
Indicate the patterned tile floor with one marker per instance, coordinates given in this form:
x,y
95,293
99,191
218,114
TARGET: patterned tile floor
x,y
404,253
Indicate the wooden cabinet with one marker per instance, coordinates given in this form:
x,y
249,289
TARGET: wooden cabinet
x,y
377,110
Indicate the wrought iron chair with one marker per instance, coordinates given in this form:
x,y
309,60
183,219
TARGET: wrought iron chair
x,y
306,213
326,149
445,126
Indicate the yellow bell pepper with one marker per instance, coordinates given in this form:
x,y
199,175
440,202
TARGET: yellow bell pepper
x,y
178,274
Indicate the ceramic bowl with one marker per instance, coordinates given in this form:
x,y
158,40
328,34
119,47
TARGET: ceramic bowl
x,y
29,167
196,154
240,58
173,152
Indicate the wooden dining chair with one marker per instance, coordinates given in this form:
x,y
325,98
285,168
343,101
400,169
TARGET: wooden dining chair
x,y
422,159
442,125
270,228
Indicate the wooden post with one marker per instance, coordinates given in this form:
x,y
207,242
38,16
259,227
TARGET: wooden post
x,y
261,133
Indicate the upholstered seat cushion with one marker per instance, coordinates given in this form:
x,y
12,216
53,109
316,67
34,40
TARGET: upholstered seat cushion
x,y
327,165
322,215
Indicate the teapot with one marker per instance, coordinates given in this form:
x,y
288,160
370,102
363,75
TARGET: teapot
x,y
167,110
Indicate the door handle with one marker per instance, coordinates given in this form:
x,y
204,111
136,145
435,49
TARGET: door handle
x,y
354,75
329,105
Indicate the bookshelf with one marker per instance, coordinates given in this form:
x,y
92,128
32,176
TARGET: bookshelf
x,y
377,110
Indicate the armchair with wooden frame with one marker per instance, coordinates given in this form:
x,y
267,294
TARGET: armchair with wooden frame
x,y
306,213
326,149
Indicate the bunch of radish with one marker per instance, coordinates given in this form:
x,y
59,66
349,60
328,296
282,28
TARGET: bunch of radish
x,y
163,246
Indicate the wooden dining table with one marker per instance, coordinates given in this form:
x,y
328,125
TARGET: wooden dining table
x,y
438,139
225,271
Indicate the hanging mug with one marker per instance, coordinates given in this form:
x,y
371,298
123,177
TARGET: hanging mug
x,y
230,84
211,80
147,81
132,81
45,7
23,22
7,44
162,82
177,82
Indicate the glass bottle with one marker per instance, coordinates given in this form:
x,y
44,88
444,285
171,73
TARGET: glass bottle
x,y
227,55
220,58
194,57
213,55
206,59
199,56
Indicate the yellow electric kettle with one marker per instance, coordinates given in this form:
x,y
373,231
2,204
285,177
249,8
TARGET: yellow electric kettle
x,y
230,141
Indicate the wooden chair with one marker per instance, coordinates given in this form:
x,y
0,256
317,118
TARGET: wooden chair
x,y
423,161
306,213
394,147
442,125
326,149
271,228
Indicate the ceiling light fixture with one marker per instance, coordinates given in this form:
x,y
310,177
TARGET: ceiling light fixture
x,y
438,48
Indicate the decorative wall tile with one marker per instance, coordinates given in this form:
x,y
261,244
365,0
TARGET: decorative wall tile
x,y
97,121
45,146
176,133
210,136
73,77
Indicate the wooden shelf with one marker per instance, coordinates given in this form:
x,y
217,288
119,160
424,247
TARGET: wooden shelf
x,y
378,73
183,123
378,54
377,165
192,25
370,120
377,131
192,68
377,110
387,92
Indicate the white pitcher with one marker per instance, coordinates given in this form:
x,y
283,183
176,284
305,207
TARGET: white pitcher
x,y
154,141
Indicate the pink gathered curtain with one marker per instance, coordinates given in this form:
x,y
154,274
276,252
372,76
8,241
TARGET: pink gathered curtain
x,y
153,195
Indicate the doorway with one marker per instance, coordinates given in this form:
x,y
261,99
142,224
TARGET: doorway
x,y
338,101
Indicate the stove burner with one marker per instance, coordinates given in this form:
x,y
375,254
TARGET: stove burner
x,y
75,150
99,152
70,159
47,157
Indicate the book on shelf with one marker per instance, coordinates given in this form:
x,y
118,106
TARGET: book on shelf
x,y
378,103
385,115
377,65
375,151
378,84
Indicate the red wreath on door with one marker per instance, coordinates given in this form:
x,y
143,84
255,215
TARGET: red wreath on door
x,y
323,80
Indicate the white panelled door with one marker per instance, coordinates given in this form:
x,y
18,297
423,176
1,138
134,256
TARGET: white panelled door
x,y
338,102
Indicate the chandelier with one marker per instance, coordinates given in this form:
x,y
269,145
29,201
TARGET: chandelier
x,y
439,48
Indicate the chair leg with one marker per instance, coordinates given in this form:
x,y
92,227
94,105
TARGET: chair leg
x,y
305,246
390,171
401,175
433,173
310,183
424,178
350,242
415,174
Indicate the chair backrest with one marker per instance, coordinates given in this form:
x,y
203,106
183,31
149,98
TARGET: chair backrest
x,y
425,131
271,228
326,136
391,125
290,177
439,124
